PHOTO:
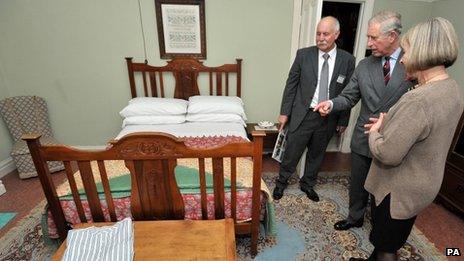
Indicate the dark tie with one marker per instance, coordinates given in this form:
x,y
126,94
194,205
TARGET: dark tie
x,y
386,70
324,81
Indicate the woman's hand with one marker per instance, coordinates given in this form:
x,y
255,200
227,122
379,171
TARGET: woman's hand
x,y
375,124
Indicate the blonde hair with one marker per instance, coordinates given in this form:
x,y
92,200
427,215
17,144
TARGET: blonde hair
x,y
431,44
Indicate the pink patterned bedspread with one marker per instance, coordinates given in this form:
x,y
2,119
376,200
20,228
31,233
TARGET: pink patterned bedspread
x,y
192,204
192,201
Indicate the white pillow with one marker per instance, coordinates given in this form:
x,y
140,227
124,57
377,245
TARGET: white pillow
x,y
153,120
154,106
215,117
216,105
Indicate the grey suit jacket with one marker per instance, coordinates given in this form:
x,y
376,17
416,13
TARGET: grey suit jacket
x,y
367,85
302,82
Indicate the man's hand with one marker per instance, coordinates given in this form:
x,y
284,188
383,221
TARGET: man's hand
x,y
282,120
323,108
375,124
341,129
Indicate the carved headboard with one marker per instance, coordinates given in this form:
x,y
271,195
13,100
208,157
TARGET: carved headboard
x,y
185,72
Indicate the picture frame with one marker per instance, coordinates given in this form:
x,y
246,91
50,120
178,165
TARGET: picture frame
x,y
181,28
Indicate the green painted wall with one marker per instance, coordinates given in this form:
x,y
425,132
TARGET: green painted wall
x,y
452,10
72,54
5,140
412,12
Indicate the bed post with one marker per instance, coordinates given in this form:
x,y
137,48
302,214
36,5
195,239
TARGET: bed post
x,y
239,77
256,204
45,178
130,71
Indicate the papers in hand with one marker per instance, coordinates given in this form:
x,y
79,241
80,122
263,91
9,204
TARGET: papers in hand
x,y
279,147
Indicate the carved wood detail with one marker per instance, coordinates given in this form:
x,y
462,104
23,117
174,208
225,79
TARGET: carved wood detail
x,y
152,148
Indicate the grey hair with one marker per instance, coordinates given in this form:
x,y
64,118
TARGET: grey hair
x,y
335,21
388,20
431,44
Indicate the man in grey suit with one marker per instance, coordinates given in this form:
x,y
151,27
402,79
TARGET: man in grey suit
x,y
318,73
378,81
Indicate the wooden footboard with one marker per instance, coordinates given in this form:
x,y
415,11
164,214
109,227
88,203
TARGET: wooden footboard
x,y
151,159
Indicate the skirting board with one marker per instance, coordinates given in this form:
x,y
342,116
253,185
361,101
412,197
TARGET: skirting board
x,y
7,165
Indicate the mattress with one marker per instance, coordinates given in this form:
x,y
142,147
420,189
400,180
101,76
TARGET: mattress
x,y
191,129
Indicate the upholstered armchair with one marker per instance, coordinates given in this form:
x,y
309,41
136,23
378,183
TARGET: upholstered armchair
x,y
27,114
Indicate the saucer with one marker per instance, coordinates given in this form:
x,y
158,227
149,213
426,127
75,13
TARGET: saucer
x,y
265,124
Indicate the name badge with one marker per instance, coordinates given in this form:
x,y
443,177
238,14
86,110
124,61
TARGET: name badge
x,y
341,78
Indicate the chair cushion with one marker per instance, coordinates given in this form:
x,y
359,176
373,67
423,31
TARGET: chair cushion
x,y
20,147
25,114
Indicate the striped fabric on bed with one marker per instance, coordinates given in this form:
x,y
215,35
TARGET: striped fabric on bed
x,y
101,243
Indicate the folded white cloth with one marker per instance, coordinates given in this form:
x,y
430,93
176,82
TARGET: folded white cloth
x,y
101,243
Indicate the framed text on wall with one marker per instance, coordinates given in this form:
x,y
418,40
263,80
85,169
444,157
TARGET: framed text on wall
x,y
181,28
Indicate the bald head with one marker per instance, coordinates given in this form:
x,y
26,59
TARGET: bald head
x,y
328,30
331,21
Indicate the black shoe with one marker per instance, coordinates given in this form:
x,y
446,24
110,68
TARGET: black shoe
x,y
345,225
278,193
356,259
311,194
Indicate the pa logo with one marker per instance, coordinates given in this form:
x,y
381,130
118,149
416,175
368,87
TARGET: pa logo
x,y
453,251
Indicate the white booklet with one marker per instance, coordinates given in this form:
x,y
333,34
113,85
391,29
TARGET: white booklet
x,y
279,147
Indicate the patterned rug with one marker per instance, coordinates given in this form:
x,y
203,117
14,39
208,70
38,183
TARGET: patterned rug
x,y
25,241
305,230
309,227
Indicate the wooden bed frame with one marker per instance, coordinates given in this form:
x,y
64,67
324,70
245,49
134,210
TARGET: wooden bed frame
x,y
151,158
185,72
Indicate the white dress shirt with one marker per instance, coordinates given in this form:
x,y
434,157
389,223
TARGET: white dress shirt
x,y
393,59
331,61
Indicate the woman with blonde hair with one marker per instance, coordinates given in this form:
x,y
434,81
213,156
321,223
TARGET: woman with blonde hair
x,y
409,144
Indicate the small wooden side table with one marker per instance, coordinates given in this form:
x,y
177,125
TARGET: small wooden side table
x,y
269,139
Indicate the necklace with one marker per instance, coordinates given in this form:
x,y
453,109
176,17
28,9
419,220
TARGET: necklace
x,y
432,79
439,77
